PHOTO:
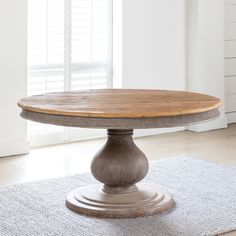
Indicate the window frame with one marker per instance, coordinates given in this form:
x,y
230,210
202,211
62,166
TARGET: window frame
x,y
74,134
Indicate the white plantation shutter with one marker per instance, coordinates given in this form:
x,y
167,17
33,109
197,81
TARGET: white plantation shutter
x,y
89,47
69,48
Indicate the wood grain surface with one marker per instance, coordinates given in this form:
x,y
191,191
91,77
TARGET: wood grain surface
x,y
120,103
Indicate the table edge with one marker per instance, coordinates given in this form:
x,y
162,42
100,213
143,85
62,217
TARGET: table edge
x,y
121,123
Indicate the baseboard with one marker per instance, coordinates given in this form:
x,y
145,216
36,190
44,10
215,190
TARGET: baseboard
x,y
96,134
77,135
219,123
71,135
231,117
14,148
150,132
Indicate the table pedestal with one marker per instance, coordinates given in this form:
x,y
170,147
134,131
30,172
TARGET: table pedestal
x,y
119,165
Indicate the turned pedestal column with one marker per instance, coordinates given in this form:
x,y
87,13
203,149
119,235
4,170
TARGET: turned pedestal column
x,y
120,164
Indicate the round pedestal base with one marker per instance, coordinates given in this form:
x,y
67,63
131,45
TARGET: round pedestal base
x,y
145,200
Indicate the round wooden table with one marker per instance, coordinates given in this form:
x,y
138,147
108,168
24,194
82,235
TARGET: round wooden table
x,y
120,164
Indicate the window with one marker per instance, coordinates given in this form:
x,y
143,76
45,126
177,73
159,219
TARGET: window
x,y
69,48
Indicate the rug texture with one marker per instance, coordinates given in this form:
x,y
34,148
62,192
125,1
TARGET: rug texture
x,y
205,195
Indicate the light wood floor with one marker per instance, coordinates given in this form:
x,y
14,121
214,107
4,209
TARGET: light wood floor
x,y
42,163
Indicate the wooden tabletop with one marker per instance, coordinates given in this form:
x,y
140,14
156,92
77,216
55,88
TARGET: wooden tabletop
x,y
120,103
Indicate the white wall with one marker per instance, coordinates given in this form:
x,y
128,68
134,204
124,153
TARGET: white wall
x,y
155,35
154,44
13,22
153,47
205,53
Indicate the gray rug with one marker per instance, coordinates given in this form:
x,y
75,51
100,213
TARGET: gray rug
x,y
205,195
